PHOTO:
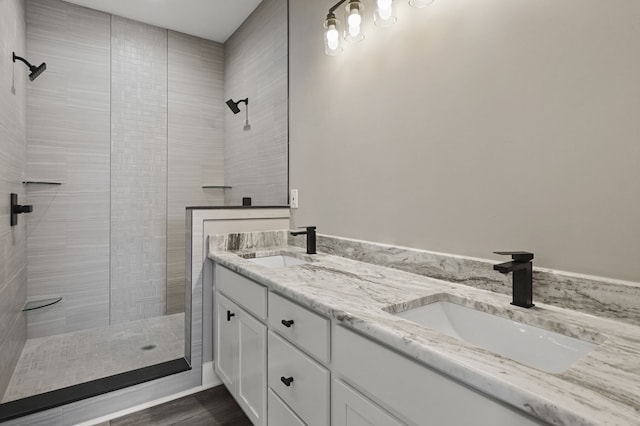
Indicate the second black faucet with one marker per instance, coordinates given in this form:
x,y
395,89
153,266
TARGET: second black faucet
x,y
310,232
522,269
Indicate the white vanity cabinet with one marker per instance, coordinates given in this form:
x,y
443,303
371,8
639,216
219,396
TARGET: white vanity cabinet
x,y
289,366
241,348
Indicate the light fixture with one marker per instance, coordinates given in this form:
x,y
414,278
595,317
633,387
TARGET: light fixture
x,y
355,11
332,35
385,13
384,16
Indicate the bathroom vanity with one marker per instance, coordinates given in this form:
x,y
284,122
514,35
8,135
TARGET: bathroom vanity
x,y
322,341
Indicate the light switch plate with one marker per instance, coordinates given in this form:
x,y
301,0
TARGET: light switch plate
x,y
294,198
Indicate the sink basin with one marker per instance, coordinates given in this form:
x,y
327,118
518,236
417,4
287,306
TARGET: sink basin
x,y
277,261
546,350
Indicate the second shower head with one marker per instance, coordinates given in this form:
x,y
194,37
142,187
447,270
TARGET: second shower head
x,y
34,71
233,106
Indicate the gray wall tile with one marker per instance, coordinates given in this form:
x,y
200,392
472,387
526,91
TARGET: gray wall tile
x,y
138,170
68,140
13,278
256,67
196,144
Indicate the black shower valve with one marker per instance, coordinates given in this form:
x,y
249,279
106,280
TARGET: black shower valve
x,y
22,209
17,209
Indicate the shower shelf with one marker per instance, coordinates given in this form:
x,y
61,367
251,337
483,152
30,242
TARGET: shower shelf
x,y
215,186
40,182
37,304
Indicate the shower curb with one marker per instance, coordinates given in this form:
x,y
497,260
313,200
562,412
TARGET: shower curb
x,y
45,401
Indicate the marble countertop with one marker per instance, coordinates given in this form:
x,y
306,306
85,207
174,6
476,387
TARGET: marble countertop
x,y
602,388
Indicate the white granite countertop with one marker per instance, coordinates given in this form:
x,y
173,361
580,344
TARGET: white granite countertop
x,y
602,388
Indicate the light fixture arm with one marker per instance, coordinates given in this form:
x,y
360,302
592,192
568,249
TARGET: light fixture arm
x,y
337,5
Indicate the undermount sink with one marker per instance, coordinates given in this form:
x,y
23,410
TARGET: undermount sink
x,y
546,350
277,261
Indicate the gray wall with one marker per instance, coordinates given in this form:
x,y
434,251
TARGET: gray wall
x,y
13,266
196,144
255,60
471,126
68,139
113,119
138,170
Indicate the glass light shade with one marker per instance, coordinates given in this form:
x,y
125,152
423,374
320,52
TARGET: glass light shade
x,y
332,45
420,3
385,13
355,18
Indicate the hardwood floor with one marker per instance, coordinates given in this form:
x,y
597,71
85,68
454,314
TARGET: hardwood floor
x,y
213,407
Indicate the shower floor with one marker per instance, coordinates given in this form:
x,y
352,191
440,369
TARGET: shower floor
x,y
55,362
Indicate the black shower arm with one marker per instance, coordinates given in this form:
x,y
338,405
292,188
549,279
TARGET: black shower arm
x,y
22,59
245,101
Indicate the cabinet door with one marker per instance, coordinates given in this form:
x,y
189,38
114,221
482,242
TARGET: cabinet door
x,y
349,408
252,367
226,341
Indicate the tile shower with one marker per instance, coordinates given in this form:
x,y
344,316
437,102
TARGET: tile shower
x,y
122,132
104,237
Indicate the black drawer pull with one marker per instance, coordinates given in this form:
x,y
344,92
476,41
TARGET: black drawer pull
x,y
229,315
287,323
286,381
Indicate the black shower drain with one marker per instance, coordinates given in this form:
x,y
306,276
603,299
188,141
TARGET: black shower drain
x,y
148,347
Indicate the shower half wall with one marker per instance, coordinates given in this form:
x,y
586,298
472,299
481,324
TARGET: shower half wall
x,y
126,118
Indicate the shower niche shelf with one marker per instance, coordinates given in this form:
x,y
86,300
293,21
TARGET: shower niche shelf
x,y
41,182
38,304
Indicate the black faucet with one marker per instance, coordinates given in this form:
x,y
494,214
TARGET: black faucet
x,y
522,269
311,238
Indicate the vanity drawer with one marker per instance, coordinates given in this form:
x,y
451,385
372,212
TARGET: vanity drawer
x,y
303,328
306,389
249,294
280,414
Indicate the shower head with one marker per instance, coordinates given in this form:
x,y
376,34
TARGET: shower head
x,y
34,71
233,106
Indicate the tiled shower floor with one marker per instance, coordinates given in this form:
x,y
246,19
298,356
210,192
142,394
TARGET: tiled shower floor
x,y
54,362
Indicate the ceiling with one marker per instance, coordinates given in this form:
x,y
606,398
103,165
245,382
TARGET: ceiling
x,y
210,19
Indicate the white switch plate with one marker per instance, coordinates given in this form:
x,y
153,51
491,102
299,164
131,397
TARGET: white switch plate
x,y
294,198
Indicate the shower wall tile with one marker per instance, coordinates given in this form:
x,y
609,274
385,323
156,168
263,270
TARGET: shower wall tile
x,y
68,140
256,163
13,278
196,144
138,170
99,123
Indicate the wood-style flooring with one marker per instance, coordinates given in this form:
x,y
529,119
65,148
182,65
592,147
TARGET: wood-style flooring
x,y
213,407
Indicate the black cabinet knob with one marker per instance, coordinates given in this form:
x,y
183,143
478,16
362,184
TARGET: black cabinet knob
x,y
287,323
286,380
229,315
